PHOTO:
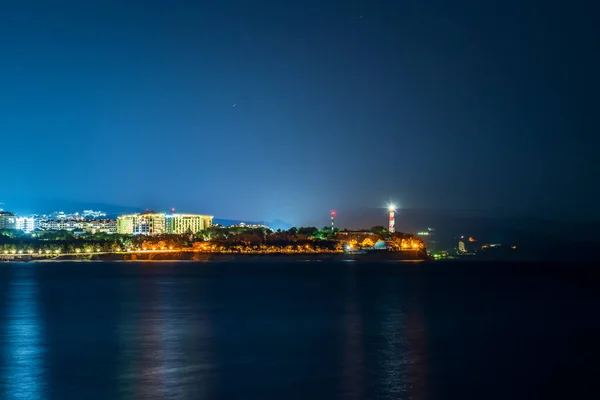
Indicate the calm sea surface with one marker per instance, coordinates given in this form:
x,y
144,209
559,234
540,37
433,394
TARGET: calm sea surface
x,y
298,330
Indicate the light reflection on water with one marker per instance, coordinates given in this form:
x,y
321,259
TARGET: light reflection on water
x,y
287,331
383,342
22,370
354,362
393,352
165,343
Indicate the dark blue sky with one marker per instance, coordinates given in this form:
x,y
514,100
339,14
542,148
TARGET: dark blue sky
x,y
338,104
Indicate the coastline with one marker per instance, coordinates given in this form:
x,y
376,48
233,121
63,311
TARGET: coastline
x,y
205,257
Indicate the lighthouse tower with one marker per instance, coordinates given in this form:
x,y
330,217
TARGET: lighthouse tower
x,y
392,219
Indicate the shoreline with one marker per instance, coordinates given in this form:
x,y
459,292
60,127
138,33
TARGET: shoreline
x,y
204,257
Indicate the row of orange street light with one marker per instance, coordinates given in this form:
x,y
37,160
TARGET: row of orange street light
x,y
77,251
7,252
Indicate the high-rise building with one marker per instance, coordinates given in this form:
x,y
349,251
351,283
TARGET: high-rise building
x,y
187,223
8,220
99,226
152,223
125,224
59,225
148,223
90,226
25,224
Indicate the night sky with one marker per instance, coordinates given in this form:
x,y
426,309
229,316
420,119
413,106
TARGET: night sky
x,y
280,109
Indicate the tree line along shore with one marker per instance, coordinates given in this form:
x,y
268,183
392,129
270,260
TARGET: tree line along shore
x,y
225,240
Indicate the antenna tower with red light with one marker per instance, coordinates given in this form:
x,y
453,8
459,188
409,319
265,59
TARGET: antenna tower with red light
x,y
332,217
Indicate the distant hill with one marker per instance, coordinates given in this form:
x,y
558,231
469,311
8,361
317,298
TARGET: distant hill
x,y
45,206
275,224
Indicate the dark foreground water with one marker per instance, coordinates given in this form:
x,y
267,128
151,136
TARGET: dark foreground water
x,y
298,330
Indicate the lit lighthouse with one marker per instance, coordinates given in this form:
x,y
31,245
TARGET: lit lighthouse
x,y
392,219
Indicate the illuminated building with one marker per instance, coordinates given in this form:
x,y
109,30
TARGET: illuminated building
x,y
25,224
186,223
148,223
8,220
125,225
90,226
99,226
152,223
91,214
58,225
248,226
